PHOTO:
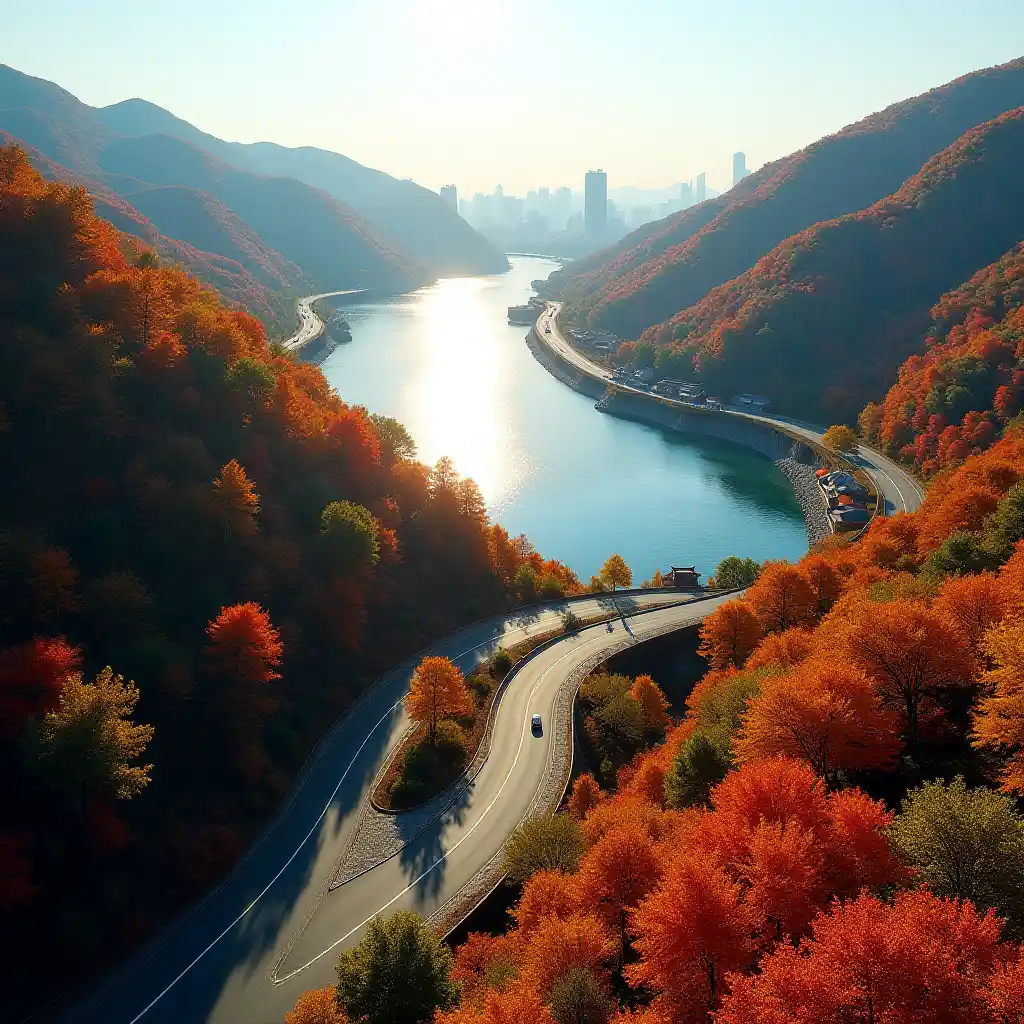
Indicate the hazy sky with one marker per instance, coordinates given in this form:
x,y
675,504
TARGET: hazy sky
x,y
524,93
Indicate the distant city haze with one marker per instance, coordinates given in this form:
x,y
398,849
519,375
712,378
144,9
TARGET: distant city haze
x,y
526,94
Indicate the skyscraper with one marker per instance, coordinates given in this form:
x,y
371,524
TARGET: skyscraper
x,y
739,167
595,202
702,188
450,194
685,195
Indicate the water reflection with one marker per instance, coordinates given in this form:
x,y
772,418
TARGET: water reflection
x,y
444,361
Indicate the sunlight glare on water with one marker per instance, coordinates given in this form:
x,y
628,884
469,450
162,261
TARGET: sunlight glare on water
x,y
580,484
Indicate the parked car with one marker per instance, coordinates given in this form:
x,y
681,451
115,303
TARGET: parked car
x,y
536,727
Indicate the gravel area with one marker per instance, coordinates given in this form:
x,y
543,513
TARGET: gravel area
x,y
808,494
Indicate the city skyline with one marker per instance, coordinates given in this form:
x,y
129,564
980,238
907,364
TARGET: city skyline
x,y
674,115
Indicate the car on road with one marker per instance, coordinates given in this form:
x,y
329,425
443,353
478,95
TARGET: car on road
x,y
536,727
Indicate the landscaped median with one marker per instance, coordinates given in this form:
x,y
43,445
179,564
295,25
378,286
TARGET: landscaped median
x,y
451,715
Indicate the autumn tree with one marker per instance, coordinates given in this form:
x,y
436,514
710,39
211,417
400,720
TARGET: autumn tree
x,y
822,575
558,945
237,500
617,872
826,714
646,692
840,438
734,573
920,959
52,583
729,634
349,536
585,794
244,648
32,676
616,573
438,690
972,604
784,649
910,654
964,843
547,893
782,597
691,933
551,842
514,1003
503,554
317,1006
400,973
89,743
999,720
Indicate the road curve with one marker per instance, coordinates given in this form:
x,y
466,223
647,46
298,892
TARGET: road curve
x,y
274,928
310,325
902,493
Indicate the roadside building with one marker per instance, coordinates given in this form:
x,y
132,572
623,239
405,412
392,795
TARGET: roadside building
x,y
684,578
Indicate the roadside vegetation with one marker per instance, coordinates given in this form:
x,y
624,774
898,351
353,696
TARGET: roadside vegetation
x,y
843,791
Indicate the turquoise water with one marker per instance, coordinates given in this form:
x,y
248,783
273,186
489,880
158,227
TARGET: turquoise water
x,y
579,484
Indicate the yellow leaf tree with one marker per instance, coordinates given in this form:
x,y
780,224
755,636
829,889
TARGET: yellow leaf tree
x,y
840,438
237,499
616,572
646,692
438,690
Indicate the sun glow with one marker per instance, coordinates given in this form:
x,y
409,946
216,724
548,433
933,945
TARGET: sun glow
x,y
457,407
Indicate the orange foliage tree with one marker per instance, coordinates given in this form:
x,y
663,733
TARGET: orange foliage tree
x,y
729,634
920,959
972,604
317,1006
999,721
787,648
910,654
783,596
585,794
646,692
617,872
691,933
438,690
237,499
826,714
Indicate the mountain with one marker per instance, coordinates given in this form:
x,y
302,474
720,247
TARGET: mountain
x,y
282,233
821,323
663,268
326,239
228,276
965,380
416,219
166,471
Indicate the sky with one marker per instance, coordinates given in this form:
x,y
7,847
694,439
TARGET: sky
x,y
522,93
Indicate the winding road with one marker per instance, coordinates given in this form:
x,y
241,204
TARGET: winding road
x,y
310,325
275,927
901,491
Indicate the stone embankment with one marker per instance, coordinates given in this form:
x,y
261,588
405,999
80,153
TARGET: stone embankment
x,y
808,495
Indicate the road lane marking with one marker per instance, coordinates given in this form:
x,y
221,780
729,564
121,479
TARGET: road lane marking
x,y
156,999
449,852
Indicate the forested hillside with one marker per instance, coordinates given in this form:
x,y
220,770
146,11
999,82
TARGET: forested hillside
x,y
832,832
420,223
664,268
822,322
956,394
246,552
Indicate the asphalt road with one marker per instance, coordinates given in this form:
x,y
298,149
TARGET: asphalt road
x,y
901,491
273,929
310,325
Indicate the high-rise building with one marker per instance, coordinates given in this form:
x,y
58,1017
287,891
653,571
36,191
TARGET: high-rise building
x,y
595,202
685,195
739,167
450,194
702,188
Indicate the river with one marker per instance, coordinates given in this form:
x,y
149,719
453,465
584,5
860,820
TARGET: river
x,y
581,485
